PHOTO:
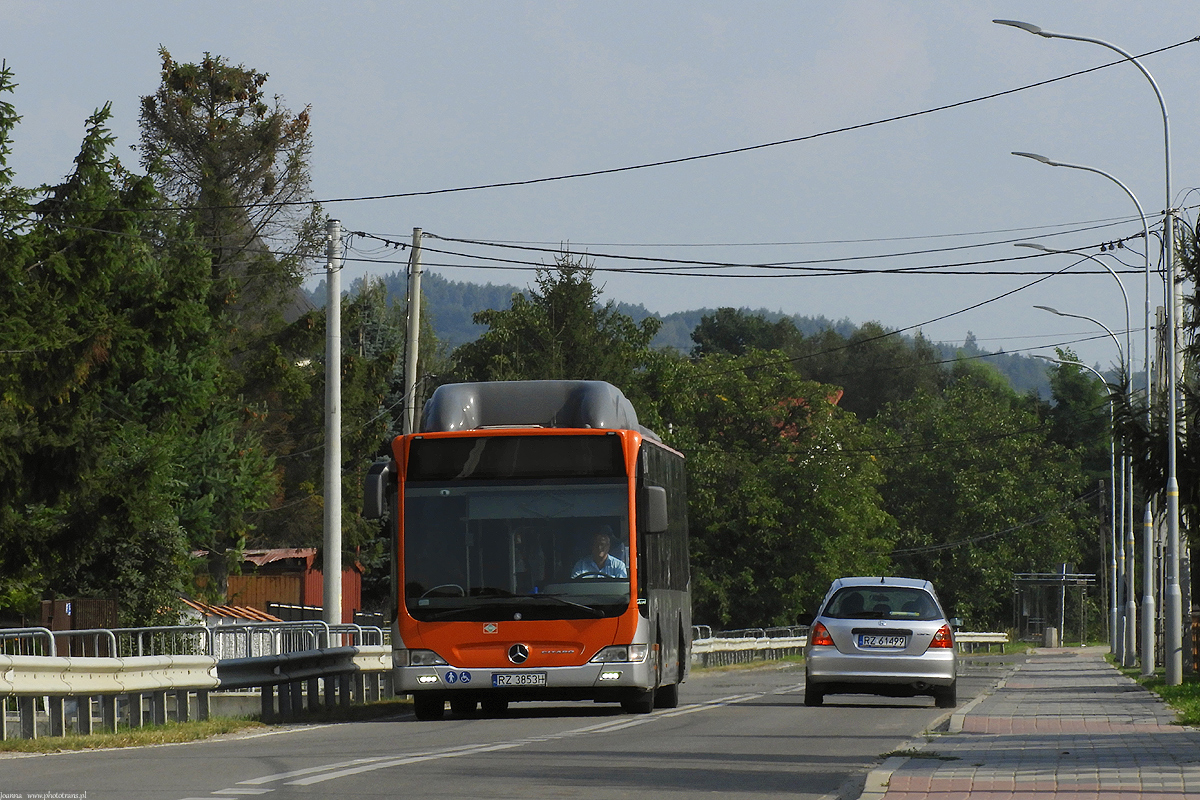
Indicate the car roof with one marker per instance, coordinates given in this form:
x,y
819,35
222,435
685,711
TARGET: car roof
x,y
882,580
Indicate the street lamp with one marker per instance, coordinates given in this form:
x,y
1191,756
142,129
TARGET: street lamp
x,y
1127,641
1148,602
1145,236
1173,596
1128,350
1112,503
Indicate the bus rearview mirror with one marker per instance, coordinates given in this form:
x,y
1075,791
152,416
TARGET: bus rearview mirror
x,y
375,495
654,507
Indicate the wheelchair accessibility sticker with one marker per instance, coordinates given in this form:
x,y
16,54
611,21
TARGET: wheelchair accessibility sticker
x,y
458,677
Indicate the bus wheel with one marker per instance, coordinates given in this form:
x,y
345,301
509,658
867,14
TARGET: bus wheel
x,y
639,702
494,706
667,696
428,706
462,707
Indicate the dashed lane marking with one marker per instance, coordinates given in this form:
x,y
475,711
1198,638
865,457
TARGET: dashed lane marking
x,y
343,769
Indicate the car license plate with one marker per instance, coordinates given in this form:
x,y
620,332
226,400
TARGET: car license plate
x,y
518,679
874,640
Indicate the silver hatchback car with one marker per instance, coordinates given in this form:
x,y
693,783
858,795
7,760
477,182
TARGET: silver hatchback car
x,y
884,636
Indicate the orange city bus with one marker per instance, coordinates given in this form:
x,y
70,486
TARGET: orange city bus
x,y
540,542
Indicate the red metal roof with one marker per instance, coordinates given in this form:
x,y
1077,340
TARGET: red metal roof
x,y
261,557
234,612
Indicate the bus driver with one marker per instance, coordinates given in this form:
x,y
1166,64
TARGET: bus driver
x,y
599,562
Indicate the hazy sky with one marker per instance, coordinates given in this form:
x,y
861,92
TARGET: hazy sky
x,y
410,97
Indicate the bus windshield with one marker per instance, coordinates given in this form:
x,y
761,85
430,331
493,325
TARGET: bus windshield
x,y
492,552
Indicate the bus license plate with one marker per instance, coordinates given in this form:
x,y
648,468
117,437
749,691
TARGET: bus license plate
x,y
518,679
869,640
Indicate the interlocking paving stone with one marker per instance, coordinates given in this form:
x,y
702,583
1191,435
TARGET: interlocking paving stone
x,y
1065,725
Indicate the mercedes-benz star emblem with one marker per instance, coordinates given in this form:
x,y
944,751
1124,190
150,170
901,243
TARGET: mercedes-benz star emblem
x,y
518,653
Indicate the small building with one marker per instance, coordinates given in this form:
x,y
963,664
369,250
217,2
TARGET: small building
x,y
288,576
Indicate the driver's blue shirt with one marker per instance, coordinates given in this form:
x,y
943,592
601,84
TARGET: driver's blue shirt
x,y
613,567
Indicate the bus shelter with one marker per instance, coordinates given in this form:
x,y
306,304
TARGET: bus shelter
x,y
1041,599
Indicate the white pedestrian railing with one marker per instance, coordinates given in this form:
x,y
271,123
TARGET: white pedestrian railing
x,y
722,652
765,644
969,641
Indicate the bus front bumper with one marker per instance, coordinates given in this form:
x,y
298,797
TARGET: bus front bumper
x,y
610,680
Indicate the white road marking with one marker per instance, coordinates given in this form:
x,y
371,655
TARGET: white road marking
x,y
310,770
342,769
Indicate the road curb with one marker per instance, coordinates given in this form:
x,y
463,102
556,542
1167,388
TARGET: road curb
x,y
959,715
876,785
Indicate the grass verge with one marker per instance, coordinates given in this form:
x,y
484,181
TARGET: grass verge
x,y
177,732
170,733
1183,699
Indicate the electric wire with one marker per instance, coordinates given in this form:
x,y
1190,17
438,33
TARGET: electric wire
x,y
692,158
751,148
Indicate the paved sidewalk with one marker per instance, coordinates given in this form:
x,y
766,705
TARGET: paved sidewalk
x,y
1064,725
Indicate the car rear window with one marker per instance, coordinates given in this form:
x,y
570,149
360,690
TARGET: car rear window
x,y
882,602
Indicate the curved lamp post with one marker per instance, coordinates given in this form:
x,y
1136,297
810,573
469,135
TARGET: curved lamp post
x,y
1148,602
1127,639
1173,596
1112,503
1145,237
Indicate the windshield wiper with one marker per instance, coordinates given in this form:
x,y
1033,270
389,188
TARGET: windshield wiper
x,y
509,599
557,599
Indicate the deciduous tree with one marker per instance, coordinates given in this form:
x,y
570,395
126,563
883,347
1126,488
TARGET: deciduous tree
x,y
559,332
981,493
783,493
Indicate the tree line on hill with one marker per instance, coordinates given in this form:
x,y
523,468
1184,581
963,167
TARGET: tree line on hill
x,y
162,389
451,305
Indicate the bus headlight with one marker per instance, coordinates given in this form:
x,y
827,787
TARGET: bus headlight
x,y
424,658
622,652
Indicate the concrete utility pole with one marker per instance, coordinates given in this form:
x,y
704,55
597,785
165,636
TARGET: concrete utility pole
x,y
414,327
332,587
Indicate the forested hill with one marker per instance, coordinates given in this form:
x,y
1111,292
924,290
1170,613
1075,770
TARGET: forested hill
x,y
449,306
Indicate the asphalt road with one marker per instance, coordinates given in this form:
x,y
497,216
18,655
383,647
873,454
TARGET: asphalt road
x,y
737,734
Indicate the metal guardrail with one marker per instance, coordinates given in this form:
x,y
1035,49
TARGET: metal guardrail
x,y
133,674
68,691
56,695
722,651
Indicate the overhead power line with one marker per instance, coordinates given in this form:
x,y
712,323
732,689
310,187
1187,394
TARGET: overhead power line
x,y
697,157
750,148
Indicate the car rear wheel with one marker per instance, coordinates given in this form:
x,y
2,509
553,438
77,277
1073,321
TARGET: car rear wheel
x,y
947,696
812,695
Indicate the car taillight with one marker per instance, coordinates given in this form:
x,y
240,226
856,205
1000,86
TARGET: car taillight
x,y
943,638
819,635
